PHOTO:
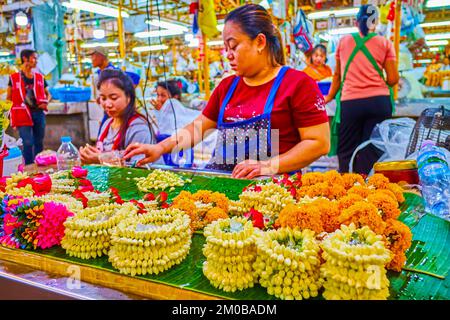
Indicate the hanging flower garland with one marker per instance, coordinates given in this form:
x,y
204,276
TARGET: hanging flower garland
x,y
288,264
150,243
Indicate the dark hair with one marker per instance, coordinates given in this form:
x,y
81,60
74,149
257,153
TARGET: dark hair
x,y
171,86
367,14
319,47
26,53
122,81
253,20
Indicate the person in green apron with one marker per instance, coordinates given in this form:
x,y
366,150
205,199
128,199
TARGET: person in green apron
x,y
362,86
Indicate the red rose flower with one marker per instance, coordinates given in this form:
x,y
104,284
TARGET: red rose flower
x,y
79,172
149,197
163,196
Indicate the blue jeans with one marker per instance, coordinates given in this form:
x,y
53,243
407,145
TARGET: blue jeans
x,y
33,137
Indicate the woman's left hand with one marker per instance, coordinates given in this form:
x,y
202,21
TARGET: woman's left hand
x,y
250,169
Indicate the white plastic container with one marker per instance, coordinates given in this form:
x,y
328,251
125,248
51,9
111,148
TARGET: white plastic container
x,y
12,162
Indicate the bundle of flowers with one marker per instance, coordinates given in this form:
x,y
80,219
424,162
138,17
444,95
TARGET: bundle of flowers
x,y
88,232
268,199
230,252
20,184
203,207
354,267
67,181
160,179
362,214
305,216
288,263
33,224
150,243
69,202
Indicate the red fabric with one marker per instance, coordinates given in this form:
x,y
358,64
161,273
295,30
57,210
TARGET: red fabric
x,y
298,104
118,137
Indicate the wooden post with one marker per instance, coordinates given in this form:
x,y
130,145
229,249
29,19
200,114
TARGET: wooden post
x,y
206,68
121,35
174,57
397,24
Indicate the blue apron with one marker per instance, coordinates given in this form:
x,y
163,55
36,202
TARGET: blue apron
x,y
246,139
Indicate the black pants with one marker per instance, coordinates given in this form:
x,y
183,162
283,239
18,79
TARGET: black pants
x,y
358,118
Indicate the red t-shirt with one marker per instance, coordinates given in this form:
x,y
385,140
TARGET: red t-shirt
x,y
298,104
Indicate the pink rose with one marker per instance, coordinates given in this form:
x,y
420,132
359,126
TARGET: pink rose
x,y
79,172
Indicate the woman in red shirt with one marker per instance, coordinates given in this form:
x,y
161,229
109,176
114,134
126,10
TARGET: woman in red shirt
x,y
270,118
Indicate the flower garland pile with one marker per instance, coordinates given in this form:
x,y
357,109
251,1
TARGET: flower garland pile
x,y
268,199
32,224
288,264
354,267
68,181
20,184
230,252
397,238
203,207
88,233
159,179
150,243
69,202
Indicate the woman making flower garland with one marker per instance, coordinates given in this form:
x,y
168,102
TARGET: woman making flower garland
x,y
270,118
125,125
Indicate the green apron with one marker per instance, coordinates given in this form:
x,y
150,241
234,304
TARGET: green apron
x,y
360,46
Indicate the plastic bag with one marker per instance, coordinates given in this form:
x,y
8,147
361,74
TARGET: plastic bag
x,y
303,32
45,158
391,136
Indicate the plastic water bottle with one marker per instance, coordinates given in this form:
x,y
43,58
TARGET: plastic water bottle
x,y
67,155
434,175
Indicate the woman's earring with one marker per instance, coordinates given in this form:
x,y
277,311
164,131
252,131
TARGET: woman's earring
x,y
259,51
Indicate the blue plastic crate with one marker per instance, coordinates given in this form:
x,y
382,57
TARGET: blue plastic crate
x,y
324,87
71,94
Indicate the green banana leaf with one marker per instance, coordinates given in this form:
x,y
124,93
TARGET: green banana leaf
x,y
430,250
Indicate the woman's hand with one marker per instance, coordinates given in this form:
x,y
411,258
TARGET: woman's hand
x,y
328,99
89,154
156,104
250,169
152,152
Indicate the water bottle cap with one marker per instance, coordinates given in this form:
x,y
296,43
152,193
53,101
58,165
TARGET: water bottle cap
x,y
66,139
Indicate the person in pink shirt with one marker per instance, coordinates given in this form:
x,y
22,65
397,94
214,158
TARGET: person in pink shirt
x,y
362,85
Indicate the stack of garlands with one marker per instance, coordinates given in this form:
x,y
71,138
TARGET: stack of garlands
x,y
230,252
203,207
20,184
69,202
268,199
288,263
150,243
68,181
354,267
32,224
88,233
159,179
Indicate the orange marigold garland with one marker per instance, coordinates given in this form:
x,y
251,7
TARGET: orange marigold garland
x,y
352,179
362,191
304,216
214,214
387,205
379,181
329,213
321,189
397,239
333,177
349,200
398,192
311,178
363,214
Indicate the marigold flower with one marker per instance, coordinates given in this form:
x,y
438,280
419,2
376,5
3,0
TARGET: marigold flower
x,y
363,214
305,216
350,179
348,200
329,213
333,177
387,205
311,178
362,191
322,189
379,181
398,192
214,214
397,237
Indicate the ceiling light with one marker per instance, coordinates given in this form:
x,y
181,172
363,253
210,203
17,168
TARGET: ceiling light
x,y
21,19
99,33
437,36
437,43
150,48
336,13
435,24
341,31
160,33
167,25
95,8
437,3
99,44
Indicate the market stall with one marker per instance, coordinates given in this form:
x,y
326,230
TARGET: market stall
x,y
424,274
